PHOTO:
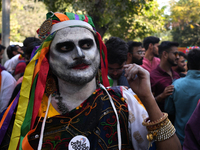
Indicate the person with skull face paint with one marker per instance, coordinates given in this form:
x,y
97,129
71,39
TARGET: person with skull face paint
x,y
65,108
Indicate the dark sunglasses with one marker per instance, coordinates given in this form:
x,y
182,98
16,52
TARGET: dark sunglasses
x,y
175,53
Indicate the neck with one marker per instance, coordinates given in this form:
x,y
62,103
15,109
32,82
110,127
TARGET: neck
x,y
72,95
166,67
149,55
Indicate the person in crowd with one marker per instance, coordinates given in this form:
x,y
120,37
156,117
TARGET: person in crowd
x,y
117,50
64,105
7,85
29,40
162,77
2,49
185,95
151,59
192,131
31,47
135,53
15,55
180,68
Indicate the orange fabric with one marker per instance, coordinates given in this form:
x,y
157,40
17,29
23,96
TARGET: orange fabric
x,y
62,17
139,101
25,142
5,114
44,51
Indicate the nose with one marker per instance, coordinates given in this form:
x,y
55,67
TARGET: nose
x,y
115,72
142,54
78,53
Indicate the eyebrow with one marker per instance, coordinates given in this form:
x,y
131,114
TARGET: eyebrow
x,y
71,41
85,41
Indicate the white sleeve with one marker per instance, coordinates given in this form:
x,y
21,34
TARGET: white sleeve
x,y
11,63
137,114
8,84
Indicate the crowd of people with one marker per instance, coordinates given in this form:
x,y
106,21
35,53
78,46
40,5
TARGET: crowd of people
x,y
69,90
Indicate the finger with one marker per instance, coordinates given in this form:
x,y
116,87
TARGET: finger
x,y
132,73
127,69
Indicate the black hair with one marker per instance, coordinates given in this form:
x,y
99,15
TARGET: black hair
x,y
166,46
117,50
182,54
193,59
28,50
150,39
30,40
2,47
132,44
11,49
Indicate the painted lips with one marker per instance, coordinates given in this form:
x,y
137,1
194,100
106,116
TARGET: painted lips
x,y
81,66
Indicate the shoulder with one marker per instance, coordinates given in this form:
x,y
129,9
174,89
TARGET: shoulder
x,y
156,59
7,76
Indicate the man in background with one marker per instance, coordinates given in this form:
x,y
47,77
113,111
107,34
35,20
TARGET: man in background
x,y
135,53
150,60
180,68
117,50
163,76
186,95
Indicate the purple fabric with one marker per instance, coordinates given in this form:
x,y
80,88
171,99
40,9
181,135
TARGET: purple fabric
x,y
76,17
192,131
8,118
2,68
160,80
33,52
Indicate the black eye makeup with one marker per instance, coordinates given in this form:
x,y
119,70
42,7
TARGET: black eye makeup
x,y
65,46
86,43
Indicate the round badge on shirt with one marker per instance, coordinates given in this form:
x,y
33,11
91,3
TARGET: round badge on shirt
x,y
79,142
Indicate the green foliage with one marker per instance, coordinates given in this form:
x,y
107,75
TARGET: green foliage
x,y
127,19
185,19
26,16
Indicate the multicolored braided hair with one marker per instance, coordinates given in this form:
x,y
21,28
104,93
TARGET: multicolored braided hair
x,y
35,76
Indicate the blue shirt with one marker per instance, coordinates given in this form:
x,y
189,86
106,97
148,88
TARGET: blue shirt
x,y
184,100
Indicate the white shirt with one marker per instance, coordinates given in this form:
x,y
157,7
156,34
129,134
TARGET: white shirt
x,y
8,84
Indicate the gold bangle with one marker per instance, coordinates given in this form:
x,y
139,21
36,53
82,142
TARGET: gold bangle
x,y
163,133
147,121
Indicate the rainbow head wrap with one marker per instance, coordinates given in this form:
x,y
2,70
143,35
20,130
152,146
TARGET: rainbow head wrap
x,y
34,81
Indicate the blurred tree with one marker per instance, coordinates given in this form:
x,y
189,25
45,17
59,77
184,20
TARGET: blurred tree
x,y
185,21
126,19
25,18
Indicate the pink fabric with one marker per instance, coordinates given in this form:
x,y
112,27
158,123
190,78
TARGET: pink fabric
x,y
149,66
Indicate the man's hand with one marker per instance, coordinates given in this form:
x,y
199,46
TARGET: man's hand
x,y
167,91
139,80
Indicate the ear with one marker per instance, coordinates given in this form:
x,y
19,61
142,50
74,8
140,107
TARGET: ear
x,y
164,54
129,58
150,46
129,55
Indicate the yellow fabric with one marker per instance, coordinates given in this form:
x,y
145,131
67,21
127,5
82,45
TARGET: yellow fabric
x,y
52,112
139,101
23,103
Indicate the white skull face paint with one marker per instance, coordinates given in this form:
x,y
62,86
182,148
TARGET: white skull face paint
x,y
74,56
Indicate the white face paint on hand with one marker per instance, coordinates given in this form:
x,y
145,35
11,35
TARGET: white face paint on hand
x,y
74,56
